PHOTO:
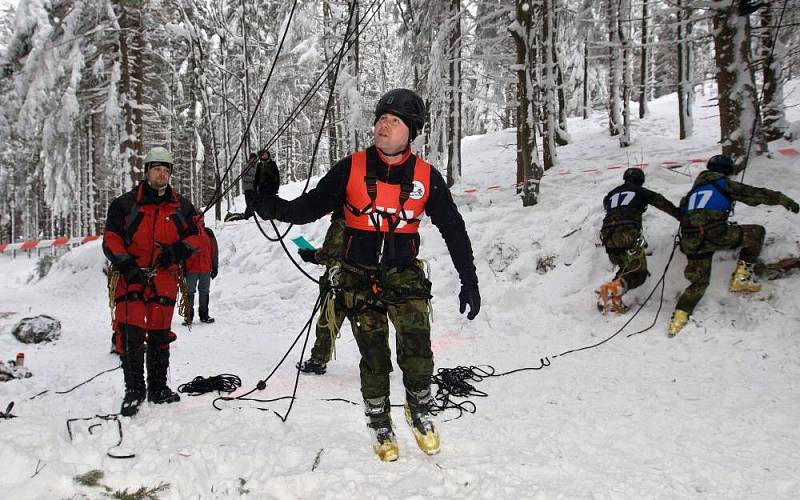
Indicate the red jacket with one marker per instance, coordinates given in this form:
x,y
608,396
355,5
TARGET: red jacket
x,y
140,218
206,260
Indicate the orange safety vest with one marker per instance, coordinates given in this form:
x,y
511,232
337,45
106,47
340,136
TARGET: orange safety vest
x,y
376,205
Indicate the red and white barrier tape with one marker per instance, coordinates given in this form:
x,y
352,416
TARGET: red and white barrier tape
x,y
37,244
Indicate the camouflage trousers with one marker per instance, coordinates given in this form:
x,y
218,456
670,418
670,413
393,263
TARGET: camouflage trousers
x,y
625,249
402,298
328,325
700,248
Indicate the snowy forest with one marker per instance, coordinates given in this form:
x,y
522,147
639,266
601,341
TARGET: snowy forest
x,y
86,87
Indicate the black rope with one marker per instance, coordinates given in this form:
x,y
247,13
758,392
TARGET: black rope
x,y
455,383
75,387
224,382
245,135
104,418
262,384
305,100
638,310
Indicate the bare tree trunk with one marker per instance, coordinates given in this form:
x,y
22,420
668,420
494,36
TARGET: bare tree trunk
x,y
615,72
644,65
131,86
548,82
737,95
454,115
627,78
562,136
327,44
685,87
773,110
529,173
585,78
245,88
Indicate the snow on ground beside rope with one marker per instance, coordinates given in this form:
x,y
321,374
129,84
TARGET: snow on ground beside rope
x,y
710,413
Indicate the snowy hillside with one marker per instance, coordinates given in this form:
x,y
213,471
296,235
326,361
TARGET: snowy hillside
x,y
711,413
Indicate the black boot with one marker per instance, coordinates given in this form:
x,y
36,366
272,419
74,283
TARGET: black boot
x,y
204,317
157,365
312,365
132,358
187,321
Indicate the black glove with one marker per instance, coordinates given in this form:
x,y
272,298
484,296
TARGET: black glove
x,y
172,254
214,273
792,206
132,273
265,205
469,295
308,255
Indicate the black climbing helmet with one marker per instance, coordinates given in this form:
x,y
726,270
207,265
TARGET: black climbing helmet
x,y
721,164
634,175
406,105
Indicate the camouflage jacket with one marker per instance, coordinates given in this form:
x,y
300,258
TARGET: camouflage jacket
x,y
330,254
736,191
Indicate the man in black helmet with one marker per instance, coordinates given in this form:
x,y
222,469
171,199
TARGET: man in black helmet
x,y
385,191
705,229
621,235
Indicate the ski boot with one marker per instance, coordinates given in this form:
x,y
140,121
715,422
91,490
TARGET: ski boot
x,y
312,365
418,417
609,297
742,279
679,319
379,421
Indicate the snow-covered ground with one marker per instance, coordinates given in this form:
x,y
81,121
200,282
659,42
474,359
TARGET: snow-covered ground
x,y
711,413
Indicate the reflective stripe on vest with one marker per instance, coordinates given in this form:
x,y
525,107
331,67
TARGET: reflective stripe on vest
x,y
708,197
387,199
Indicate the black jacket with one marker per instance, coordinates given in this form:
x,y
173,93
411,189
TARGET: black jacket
x,y
361,248
626,203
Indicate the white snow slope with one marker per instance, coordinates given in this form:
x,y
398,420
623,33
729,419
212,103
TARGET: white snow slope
x,y
711,413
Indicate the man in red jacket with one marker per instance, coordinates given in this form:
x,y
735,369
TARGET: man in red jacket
x,y
149,232
201,268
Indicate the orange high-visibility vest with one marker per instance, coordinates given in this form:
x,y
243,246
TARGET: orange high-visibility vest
x,y
385,207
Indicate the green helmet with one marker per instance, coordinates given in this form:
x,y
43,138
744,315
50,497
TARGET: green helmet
x,y
160,155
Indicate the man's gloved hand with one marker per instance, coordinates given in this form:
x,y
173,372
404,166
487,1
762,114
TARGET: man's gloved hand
x,y
308,255
172,254
132,273
469,295
792,205
214,273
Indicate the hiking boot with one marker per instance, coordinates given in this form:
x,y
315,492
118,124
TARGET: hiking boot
x,y
130,403
312,365
679,319
203,309
742,279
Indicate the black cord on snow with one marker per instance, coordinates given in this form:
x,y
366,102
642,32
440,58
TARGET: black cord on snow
x,y
224,382
75,387
7,414
262,384
103,418
638,310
